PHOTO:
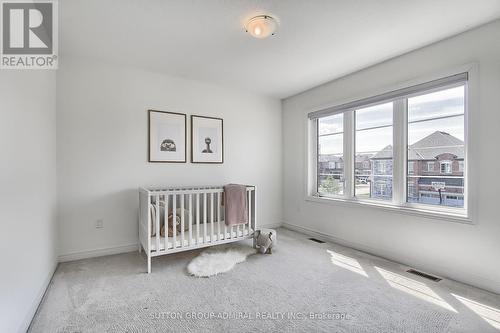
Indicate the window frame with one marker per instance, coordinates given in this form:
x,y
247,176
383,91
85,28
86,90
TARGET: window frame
x,y
400,127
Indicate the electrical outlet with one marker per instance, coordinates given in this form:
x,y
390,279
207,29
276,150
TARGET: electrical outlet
x,y
99,224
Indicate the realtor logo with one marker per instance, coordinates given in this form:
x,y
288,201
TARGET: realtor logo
x,y
29,34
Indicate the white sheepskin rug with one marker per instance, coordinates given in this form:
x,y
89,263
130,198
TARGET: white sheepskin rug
x,y
218,260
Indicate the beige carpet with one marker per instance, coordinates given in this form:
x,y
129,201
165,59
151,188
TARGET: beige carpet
x,y
302,287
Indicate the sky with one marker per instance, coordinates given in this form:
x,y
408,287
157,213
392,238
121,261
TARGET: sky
x,y
422,111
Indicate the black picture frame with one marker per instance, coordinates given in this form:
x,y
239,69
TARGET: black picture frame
x,y
193,129
150,157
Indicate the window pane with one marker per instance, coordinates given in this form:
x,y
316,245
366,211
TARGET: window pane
x,y
373,152
437,104
420,130
373,140
374,116
331,124
331,144
436,148
330,155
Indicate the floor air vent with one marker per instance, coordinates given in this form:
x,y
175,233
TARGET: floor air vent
x,y
316,240
427,276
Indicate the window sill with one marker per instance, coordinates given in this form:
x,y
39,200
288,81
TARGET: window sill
x,y
427,213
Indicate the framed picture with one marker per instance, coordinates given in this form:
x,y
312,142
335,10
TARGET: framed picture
x,y
207,140
167,137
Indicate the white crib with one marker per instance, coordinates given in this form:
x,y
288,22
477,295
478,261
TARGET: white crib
x,y
203,224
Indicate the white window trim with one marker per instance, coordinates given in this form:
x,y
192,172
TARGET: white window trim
x,y
398,204
441,214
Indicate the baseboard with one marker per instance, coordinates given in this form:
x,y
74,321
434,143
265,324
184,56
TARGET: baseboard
x,y
270,226
330,238
470,279
98,252
38,299
123,248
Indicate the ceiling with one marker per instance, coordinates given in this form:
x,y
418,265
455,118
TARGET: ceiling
x,y
318,40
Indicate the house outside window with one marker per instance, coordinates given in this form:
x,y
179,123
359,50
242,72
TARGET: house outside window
x,y
430,166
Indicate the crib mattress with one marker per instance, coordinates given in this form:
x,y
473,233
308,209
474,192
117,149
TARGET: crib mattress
x,y
229,234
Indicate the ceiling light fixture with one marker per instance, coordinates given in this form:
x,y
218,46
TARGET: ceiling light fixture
x,y
261,26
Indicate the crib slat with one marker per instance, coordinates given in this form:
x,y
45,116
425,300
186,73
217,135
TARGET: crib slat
x,y
244,226
174,220
165,222
218,216
182,220
197,218
157,222
204,217
254,208
225,228
190,205
212,236
249,211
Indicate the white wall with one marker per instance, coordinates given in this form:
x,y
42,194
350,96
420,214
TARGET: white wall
x,y
468,253
102,148
28,232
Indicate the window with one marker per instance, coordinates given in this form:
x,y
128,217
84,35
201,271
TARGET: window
x,y
381,189
436,131
373,141
381,167
411,167
446,167
405,148
331,155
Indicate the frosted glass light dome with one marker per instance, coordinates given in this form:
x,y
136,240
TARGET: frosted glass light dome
x,y
261,26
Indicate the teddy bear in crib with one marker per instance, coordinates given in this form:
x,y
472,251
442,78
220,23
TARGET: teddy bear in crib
x,y
170,224
264,241
178,213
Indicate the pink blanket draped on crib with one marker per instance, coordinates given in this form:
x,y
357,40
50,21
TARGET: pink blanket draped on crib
x,y
236,211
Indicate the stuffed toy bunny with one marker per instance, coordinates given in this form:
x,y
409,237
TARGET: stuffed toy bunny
x,y
264,241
